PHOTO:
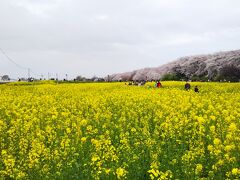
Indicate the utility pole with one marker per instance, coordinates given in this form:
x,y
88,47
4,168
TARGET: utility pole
x,y
28,73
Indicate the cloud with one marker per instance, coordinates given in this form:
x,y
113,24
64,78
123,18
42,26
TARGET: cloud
x,y
103,37
40,8
102,17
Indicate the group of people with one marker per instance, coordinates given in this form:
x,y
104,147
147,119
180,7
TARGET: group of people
x,y
188,86
158,84
136,83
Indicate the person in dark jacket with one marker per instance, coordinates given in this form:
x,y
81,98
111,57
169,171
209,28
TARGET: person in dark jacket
x,y
196,89
187,86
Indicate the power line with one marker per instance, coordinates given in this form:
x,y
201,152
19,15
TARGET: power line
x,y
18,65
11,60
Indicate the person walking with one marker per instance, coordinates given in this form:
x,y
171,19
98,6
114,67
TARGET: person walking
x,y
187,86
159,84
196,89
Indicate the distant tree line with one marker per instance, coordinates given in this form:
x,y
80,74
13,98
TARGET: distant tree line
x,y
5,78
227,73
93,79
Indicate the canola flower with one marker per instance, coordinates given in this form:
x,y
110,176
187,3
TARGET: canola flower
x,y
114,131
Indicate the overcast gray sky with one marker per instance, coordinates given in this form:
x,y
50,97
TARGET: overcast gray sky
x,y
101,37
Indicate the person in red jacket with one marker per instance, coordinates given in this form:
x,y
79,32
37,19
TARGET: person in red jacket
x,y
159,84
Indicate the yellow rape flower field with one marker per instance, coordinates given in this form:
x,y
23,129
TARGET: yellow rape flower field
x,y
115,131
